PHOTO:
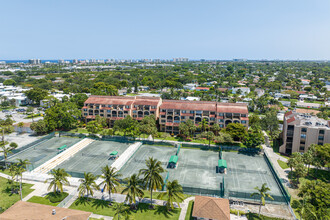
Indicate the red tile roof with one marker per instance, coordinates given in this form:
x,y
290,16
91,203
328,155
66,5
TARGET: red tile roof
x,y
288,113
188,105
202,88
232,108
291,120
122,100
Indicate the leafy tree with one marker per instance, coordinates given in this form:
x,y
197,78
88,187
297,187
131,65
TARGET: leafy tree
x,y
304,209
9,82
36,95
223,138
110,179
203,125
58,179
209,135
309,156
254,121
93,127
127,125
215,128
191,127
184,129
20,125
254,138
148,125
133,189
262,193
322,155
62,116
237,131
87,185
39,127
174,193
151,175
270,123
79,99
317,194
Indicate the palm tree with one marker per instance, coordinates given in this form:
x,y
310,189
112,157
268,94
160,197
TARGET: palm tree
x,y
173,192
6,150
133,189
59,178
87,184
263,194
120,210
110,179
151,175
22,164
203,124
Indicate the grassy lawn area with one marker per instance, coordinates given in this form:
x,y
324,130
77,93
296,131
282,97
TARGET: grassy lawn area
x,y
7,199
282,164
254,216
189,211
49,199
5,171
147,193
34,116
142,213
283,156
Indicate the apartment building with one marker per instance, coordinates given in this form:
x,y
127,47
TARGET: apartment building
x,y
169,113
173,112
301,130
118,107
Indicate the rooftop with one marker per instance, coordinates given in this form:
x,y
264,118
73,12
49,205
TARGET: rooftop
x,y
211,208
27,210
303,119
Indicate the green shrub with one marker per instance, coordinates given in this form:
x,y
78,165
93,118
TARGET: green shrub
x,y
236,212
57,197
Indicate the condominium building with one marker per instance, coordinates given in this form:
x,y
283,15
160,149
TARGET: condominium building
x,y
301,130
169,113
173,112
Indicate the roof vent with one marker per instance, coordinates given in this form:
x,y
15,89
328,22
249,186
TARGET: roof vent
x,y
53,212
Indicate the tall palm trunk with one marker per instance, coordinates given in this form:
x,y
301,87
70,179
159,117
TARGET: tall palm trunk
x,y
260,208
151,198
20,188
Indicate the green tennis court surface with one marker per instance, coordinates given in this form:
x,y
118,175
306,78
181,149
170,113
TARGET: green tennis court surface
x,y
137,161
92,158
197,173
43,151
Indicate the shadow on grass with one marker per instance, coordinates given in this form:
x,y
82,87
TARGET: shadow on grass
x,y
100,204
323,175
82,201
162,210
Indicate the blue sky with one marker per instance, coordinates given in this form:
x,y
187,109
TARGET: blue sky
x,y
209,29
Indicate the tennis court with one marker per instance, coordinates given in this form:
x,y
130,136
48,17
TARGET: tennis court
x,y
92,158
197,173
137,161
44,151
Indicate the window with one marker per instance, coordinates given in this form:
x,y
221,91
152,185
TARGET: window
x,y
127,106
221,120
163,110
85,113
152,112
134,111
125,112
183,111
108,111
302,148
243,122
163,116
243,115
303,129
103,105
109,106
183,117
101,115
192,112
221,126
303,135
153,107
321,132
302,142
321,138
97,107
101,110
212,113
85,110
191,118
163,121
134,116
220,114
212,119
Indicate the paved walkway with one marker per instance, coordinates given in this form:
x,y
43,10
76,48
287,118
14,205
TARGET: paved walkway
x,y
184,207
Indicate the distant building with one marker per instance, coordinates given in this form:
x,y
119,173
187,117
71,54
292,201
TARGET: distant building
x,y
190,86
260,92
308,105
34,61
181,59
301,130
305,81
202,89
244,90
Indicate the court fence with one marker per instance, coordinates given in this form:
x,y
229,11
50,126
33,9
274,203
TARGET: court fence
x,y
278,180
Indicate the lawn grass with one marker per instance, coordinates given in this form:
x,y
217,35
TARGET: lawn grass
x,y
148,195
282,164
7,199
48,198
5,171
189,210
254,216
143,212
286,157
